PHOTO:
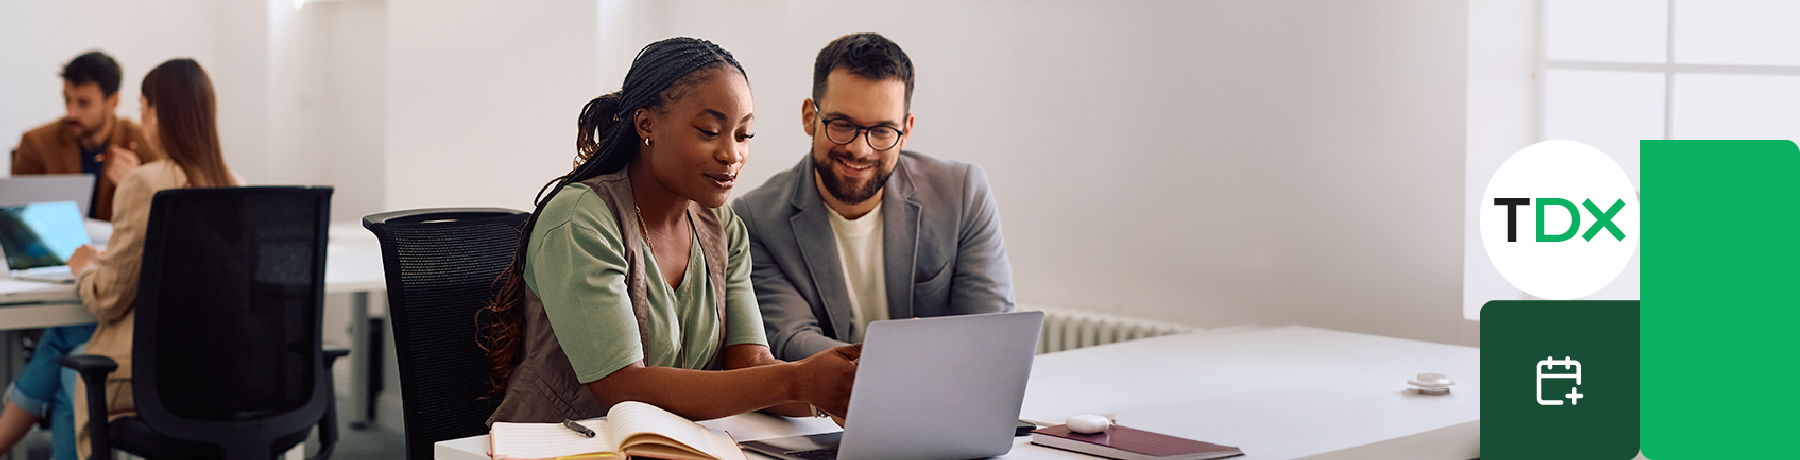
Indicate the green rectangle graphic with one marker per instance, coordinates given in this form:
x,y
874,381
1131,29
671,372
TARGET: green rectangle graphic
x,y
1720,257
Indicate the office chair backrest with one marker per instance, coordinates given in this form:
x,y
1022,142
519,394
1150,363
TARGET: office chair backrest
x,y
441,266
226,344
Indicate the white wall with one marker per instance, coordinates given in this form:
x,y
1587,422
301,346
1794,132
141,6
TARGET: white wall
x,y
328,102
1503,113
482,98
1213,163
357,83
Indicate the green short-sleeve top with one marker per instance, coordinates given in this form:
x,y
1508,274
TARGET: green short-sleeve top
x,y
575,263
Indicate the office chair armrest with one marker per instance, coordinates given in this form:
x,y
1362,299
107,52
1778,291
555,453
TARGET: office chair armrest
x,y
96,365
93,370
332,355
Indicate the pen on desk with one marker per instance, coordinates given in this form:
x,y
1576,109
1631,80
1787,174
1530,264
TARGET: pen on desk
x,y
578,428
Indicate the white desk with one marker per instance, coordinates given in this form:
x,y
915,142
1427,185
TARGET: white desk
x,y
352,270
1278,393
352,266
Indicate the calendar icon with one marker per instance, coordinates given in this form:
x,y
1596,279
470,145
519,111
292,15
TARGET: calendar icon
x,y
1546,369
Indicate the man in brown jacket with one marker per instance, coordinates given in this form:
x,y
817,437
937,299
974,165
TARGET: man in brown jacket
x,y
90,138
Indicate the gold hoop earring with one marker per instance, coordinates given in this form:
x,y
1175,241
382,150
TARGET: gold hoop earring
x,y
646,142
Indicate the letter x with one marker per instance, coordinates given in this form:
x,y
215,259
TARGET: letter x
x,y
1603,220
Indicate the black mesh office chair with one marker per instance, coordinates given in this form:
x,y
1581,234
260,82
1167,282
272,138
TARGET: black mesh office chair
x,y
226,353
441,266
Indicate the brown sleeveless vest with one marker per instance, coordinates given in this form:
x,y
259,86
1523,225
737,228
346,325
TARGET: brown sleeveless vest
x,y
543,386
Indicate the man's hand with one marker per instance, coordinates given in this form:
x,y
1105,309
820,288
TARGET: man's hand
x,y
85,257
120,162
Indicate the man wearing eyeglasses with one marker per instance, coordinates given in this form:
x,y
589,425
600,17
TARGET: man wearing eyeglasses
x,y
862,229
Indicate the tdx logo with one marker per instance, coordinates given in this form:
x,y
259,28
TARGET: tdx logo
x,y
1601,219
1559,220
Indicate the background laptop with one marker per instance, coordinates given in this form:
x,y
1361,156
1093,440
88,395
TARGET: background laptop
x,y
38,239
930,388
78,188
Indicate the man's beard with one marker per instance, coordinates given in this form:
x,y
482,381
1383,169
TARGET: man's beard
x,y
842,189
75,129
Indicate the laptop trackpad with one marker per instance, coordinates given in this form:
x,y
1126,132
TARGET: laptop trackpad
x,y
804,447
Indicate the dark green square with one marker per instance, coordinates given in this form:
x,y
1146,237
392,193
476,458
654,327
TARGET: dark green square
x,y
1601,423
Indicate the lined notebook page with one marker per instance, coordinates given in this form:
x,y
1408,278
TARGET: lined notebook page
x,y
548,440
632,418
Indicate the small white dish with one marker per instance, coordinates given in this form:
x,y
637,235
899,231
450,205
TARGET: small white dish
x,y
1432,381
1088,424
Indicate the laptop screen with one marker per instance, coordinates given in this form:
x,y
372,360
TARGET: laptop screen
x,y
41,234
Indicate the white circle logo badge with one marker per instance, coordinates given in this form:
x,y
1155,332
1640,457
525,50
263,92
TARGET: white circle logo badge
x,y
1559,220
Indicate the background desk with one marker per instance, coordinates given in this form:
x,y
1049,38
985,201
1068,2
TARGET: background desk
x,y
1278,393
352,266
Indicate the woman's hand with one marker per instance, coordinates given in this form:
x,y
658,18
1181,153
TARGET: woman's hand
x,y
120,162
824,379
85,257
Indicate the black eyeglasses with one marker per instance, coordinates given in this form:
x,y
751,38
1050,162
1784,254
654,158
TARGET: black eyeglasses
x,y
843,132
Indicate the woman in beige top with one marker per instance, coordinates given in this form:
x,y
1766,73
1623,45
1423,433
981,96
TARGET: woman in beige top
x,y
180,119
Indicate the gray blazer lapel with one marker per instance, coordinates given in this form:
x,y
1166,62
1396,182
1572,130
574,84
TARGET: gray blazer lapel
x,y
812,233
899,240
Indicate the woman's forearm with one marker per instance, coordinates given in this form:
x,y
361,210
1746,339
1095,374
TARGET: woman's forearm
x,y
754,379
738,357
697,394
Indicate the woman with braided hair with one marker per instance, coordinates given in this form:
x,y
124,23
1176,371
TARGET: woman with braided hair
x,y
632,279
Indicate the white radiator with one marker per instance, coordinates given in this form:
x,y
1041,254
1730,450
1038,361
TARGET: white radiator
x,y
1068,329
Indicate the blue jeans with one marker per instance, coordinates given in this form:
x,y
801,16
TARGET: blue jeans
x,y
47,388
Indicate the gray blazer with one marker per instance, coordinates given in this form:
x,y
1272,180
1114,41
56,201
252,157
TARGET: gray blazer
x,y
941,243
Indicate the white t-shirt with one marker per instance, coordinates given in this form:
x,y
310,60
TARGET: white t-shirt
x,y
859,247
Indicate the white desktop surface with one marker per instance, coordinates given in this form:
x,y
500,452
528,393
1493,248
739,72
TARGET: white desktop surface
x,y
352,265
37,304
1277,393
353,261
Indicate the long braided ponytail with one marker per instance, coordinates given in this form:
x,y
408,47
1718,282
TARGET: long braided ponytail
x,y
605,143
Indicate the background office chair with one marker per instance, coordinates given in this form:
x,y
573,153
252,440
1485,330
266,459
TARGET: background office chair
x,y
226,352
441,266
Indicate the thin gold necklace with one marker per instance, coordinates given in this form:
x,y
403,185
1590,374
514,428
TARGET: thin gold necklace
x,y
644,229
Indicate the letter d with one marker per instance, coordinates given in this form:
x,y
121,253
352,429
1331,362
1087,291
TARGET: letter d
x,y
1574,220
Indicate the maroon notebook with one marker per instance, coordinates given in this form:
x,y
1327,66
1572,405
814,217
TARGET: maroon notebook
x,y
1129,444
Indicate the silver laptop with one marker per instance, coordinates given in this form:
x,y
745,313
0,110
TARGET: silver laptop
x,y
38,239
930,388
78,188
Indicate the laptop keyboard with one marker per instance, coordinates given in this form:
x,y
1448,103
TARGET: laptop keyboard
x,y
821,454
